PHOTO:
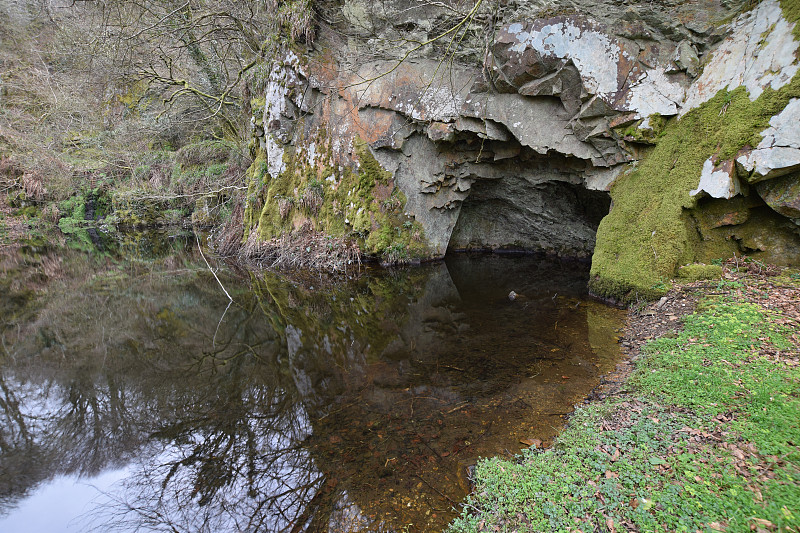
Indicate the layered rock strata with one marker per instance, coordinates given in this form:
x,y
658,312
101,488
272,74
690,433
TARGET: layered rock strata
x,y
507,128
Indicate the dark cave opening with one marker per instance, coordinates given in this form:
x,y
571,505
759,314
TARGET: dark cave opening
x,y
517,214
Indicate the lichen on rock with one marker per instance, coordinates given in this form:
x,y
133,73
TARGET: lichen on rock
x,y
312,193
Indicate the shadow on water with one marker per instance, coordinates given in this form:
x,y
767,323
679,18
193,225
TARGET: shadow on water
x,y
341,407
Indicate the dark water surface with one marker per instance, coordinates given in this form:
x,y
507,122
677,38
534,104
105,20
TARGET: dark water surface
x,y
134,398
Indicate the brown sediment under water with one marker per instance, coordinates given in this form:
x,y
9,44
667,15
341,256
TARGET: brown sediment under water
x,y
135,397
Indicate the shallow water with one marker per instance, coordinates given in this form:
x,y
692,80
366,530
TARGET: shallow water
x,y
133,396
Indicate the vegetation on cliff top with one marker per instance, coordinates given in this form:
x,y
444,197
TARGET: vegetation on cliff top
x,y
705,441
148,99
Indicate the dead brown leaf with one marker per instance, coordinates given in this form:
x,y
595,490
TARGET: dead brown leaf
x,y
535,443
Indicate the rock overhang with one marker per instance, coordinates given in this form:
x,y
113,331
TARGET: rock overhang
x,y
555,89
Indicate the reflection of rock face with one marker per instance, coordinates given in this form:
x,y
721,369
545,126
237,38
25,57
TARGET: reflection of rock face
x,y
347,402
429,318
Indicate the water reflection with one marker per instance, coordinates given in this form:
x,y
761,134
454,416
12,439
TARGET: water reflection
x,y
347,407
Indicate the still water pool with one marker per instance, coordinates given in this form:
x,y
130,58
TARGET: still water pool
x,y
133,397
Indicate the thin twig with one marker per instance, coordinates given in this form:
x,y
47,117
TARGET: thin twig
x,y
139,196
200,249
214,340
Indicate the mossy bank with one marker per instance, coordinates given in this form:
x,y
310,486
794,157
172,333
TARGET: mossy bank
x,y
657,225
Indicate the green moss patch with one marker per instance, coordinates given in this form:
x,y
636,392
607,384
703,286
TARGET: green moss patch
x,y
73,210
138,208
646,131
699,271
791,12
650,231
360,203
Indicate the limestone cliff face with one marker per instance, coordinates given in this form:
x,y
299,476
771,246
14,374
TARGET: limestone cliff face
x,y
505,124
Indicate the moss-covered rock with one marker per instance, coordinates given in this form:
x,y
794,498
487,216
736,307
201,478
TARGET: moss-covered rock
x,y
136,209
645,131
650,230
207,210
699,271
782,194
362,203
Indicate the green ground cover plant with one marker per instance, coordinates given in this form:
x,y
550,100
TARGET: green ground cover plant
x,y
4,234
708,439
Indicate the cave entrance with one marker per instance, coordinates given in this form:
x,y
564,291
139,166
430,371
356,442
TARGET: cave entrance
x,y
515,214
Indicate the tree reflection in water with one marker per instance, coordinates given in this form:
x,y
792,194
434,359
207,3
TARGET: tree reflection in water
x,y
220,473
351,407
